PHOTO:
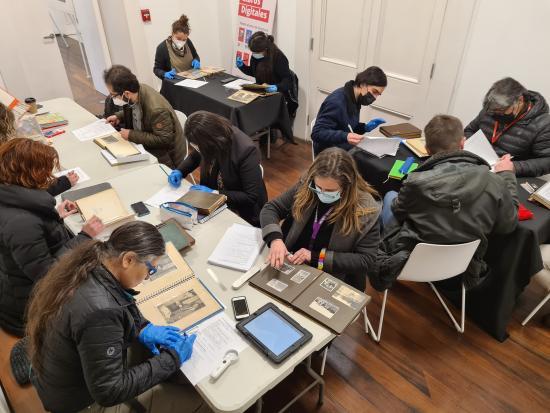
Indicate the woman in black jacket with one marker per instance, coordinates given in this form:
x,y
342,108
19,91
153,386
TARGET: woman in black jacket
x,y
177,53
83,320
229,162
32,234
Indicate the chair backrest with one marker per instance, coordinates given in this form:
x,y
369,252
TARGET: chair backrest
x,y
435,262
182,117
311,125
262,169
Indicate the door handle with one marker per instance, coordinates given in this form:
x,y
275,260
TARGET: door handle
x,y
51,36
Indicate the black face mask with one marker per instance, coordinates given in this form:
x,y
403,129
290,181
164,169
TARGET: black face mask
x,y
366,100
503,118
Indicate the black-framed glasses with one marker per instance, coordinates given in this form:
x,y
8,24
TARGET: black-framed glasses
x,y
151,268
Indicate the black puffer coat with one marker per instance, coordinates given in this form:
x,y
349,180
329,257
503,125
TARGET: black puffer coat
x,y
32,236
528,141
84,357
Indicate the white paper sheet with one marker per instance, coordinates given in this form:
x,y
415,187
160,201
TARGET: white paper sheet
x,y
236,84
166,194
215,337
238,248
479,144
94,130
380,146
191,83
82,176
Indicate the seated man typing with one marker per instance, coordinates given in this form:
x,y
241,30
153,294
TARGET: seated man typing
x,y
451,198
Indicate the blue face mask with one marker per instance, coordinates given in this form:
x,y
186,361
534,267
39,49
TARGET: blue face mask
x,y
326,197
258,56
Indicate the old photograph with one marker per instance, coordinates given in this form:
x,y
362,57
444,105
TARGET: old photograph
x,y
181,306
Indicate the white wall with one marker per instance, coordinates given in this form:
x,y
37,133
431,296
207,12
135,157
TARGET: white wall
x,y
508,38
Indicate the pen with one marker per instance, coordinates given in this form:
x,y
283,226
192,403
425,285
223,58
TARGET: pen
x,y
350,128
162,169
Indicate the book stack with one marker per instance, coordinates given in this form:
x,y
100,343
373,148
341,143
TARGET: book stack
x,y
206,203
403,130
51,120
119,151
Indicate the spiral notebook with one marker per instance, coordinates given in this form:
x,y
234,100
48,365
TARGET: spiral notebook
x,y
174,296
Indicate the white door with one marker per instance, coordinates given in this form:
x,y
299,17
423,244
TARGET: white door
x,y
31,63
400,36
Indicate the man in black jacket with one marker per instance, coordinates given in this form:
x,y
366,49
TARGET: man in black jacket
x,y
451,198
516,121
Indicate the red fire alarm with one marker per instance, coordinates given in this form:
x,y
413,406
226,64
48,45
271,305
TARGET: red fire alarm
x,y
145,15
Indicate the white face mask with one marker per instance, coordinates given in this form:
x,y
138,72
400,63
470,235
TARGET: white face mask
x,y
258,55
119,101
178,43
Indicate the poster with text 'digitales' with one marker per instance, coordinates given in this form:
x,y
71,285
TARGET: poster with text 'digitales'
x,y
252,16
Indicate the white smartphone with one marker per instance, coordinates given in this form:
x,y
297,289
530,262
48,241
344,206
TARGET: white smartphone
x,y
240,307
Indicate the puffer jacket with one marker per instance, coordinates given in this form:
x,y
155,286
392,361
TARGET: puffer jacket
x,y
32,236
528,141
161,134
84,357
452,198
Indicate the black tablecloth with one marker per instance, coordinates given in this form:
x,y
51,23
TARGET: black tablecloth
x,y
263,112
512,259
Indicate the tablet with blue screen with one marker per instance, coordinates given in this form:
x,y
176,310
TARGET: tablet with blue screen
x,y
274,333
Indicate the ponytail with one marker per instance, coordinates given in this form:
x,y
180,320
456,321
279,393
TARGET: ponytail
x,y
260,42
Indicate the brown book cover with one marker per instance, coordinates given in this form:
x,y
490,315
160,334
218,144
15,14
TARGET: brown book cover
x,y
315,293
204,202
404,130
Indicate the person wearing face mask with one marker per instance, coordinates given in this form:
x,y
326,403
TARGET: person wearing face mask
x,y
229,164
329,220
340,111
177,53
516,122
154,122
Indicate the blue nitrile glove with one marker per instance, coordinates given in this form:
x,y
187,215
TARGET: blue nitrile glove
x,y
152,336
373,124
271,88
196,64
170,75
184,347
239,62
201,188
175,178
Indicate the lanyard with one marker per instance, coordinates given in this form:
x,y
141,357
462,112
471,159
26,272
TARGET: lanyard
x,y
317,226
496,136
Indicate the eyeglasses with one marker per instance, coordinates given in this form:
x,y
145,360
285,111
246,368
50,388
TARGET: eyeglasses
x,y
151,268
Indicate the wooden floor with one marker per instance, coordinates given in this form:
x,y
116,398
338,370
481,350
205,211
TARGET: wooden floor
x,y
422,364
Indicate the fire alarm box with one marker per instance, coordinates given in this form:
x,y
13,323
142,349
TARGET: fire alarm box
x,y
145,15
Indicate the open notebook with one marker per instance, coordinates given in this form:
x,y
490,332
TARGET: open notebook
x,y
319,295
174,296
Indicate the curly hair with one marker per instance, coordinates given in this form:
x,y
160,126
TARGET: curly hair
x,y
7,123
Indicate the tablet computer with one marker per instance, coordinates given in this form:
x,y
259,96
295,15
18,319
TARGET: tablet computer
x,y
274,333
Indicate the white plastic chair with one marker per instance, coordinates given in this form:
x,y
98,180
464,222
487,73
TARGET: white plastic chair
x,y
543,279
430,263
311,125
182,117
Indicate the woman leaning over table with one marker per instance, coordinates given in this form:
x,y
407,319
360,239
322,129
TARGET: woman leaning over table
x,y
330,220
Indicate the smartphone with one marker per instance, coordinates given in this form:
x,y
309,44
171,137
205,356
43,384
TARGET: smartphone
x,y
240,307
140,209
227,80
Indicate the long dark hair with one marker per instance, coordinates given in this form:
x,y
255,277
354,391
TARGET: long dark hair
x,y
53,291
211,133
262,43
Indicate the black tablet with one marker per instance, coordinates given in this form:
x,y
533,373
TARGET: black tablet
x,y
274,333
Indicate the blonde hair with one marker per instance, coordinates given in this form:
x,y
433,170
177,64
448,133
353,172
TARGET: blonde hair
x,y
337,164
7,124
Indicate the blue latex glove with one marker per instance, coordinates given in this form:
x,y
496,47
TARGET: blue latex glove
x,y
196,64
373,124
170,75
200,188
239,62
152,336
175,178
184,347
271,88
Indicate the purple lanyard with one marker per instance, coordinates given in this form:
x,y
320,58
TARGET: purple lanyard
x,y
317,226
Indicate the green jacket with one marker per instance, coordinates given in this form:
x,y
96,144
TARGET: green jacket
x,y
161,134
451,198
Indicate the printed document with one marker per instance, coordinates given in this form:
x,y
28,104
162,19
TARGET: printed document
x,y
238,248
94,130
191,83
380,146
480,145
237,83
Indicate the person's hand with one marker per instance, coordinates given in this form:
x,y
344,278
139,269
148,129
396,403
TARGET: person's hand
x,y
504,164
184,347
354,138
196,64
66,208
175,178
201,188
93,227
113,120
271,89
277,253
300,256
170,75
152,336
125,134
73,177
373,124
239,62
